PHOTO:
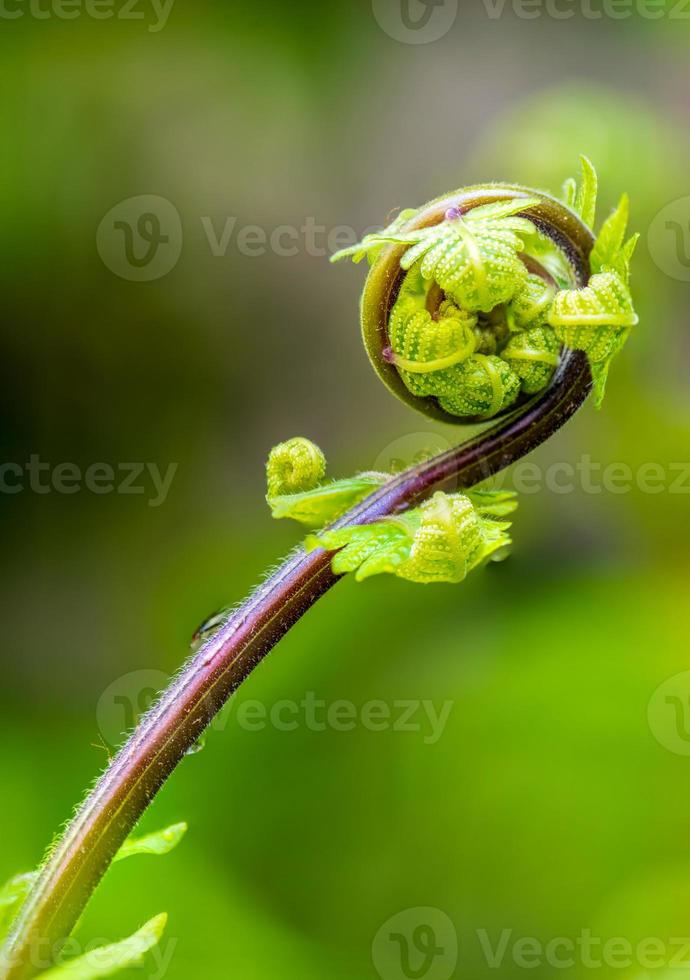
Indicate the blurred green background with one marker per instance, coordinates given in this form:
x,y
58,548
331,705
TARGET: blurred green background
x,y
557,798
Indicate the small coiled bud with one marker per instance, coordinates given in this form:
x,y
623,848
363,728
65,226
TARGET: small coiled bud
x,y
425,349
533,355
294,466
531,305
484,386
596,320
295,473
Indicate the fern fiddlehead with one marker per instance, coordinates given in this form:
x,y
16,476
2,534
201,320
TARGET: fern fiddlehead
x,y
294,466
429,538
469,301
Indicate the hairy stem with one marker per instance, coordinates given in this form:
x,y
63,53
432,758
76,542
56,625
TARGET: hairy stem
x,y
81,856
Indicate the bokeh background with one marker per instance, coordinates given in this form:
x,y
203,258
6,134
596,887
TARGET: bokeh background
x,y
557,799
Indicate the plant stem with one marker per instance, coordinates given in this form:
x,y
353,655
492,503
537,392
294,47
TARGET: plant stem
x,y
110,812
78,861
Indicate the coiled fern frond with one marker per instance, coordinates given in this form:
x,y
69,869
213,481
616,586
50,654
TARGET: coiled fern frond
x,y
294,466
477,301
311,501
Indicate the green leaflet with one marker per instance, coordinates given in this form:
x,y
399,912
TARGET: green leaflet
x,y
611,252
586,197
158,843
15,891
474,257
597,320
570,192
318,507
371,245
442,540
12,894
493,503
107,960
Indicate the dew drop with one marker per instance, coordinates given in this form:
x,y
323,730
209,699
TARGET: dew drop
x,y
209,628
197,746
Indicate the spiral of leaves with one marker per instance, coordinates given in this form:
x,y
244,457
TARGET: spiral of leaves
x,y
483,311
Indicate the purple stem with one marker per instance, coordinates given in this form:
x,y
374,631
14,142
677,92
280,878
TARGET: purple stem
x,y
162,738
82,855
